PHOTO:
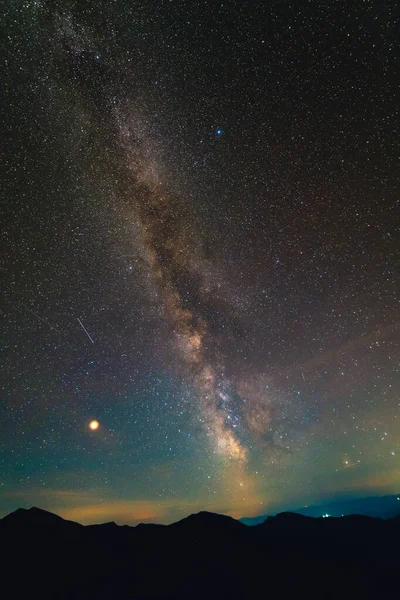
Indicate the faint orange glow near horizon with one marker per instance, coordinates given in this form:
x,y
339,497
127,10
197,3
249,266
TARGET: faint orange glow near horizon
x,y
94,425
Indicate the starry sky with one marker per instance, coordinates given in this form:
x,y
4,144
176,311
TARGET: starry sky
x,y
200,254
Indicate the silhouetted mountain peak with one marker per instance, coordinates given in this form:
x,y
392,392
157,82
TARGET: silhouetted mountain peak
x,y
108,525
35,517
287,520
149,526
40,513
356,518
291,516
33,514
206,516
208,520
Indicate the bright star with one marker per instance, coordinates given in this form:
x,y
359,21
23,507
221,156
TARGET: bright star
x,y
94,425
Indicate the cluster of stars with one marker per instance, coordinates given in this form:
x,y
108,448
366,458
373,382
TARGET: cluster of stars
x,y
200,254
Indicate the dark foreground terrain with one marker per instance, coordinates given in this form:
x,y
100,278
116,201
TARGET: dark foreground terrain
x,y
202,556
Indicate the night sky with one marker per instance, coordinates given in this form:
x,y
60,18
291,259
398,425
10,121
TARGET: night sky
x,y
201,254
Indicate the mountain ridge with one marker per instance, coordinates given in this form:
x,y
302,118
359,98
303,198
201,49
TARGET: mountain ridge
x,y
204,555
39,516
384,507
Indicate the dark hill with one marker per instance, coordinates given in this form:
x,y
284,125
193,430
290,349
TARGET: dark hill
x,y
33,517
38,519
290,518
202,556
207,521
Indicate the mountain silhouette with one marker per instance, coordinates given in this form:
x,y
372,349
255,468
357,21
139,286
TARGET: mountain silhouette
x,y
35,518
207,521
204,555
385,507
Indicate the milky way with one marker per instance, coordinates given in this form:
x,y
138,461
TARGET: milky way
x,y
169,255
200,256
175,261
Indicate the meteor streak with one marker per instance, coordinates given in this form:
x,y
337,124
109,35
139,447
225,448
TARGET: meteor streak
x,y
85,330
